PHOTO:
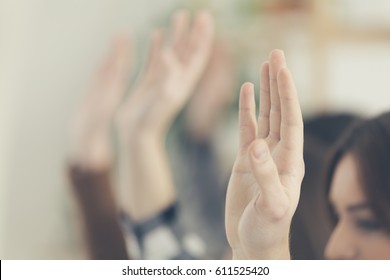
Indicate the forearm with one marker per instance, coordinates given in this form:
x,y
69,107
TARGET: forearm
x,y
103,233
150,180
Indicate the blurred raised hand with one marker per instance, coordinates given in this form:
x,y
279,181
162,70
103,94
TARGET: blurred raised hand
x,y
162,90
172,72
90,129
264,187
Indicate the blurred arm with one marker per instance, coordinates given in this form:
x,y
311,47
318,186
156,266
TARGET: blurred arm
x,y
92,156
93,192
163,90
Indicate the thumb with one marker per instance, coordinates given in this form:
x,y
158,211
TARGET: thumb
x,y
263,166
272,200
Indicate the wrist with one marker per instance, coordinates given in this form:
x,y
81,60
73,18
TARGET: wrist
x,y
138,140
140,211
281,252
93,151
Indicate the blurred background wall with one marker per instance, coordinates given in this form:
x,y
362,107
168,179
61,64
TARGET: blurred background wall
x,y
339,53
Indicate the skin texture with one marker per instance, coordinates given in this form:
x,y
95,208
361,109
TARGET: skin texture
x,y
163,89
355,235
264,187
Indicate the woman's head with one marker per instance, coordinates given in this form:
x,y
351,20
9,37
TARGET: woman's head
x,y
359,191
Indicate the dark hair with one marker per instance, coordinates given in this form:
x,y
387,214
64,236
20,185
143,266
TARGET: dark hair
x,y
368,141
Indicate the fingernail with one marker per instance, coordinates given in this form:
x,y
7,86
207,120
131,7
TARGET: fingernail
x,y
260,151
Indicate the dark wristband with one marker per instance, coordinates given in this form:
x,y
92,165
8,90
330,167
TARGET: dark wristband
x,y
167,217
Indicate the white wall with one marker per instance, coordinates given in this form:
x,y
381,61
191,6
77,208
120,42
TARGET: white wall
x,y
359,77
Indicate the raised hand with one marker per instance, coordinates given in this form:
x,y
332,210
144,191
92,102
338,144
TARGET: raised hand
x,y
90,131
170,76
264,187
163,89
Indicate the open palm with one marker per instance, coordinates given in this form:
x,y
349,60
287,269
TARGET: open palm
x,y
172,72
264,187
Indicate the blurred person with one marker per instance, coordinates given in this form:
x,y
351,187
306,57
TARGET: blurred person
x,y
264,187
91,156
359,194
308,237
143,121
